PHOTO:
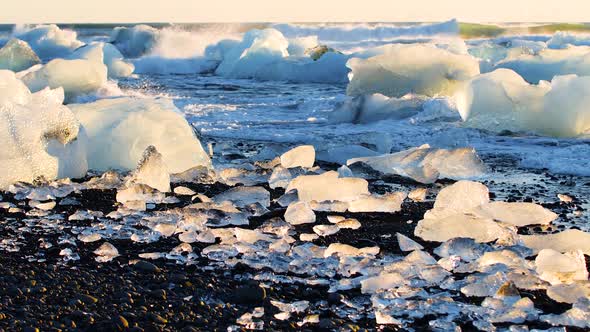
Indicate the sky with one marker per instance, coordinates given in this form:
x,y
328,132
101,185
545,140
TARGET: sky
x,y
119,11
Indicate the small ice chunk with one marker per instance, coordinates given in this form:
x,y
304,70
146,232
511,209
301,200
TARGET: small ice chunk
x,y
88,238
518,214
462,196
46,206
345,172
280,178
578,315
349,224
329,187
299,213
389,203
565,198
384,281
244,196
183,191
335,219
425,165
326,230
459,225
308,237
569,293
106,252
418,194
152,171
568,240
407,244
301,156
558,268
341,249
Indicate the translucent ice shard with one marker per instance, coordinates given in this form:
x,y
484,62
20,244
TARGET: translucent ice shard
x,y
17,55
407,244
301,156
558,268
243,196
152,171
568,240
106,252
299,213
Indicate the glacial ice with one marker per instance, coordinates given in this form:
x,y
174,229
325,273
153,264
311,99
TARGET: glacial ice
x,y
244,196
301,156
568,240
401,69
109,55
40,136
328,187
515,213
76,77
17,55
106,252
563,40
134,41
118,136
300,45
376,107
558,268
407,244
340,154
459,225
299,213
549,63
49,41
502,100
388,203
569,293
426,165
152,171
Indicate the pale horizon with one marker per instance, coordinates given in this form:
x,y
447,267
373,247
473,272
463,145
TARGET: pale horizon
x,y
225,11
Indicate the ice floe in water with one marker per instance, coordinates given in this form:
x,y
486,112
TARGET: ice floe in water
x,y
49,41
502,100
41,137
118,134
400,69
17,55
426,165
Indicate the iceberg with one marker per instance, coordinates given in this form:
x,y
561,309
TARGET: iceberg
x,y
76,77
426,165
134,41
109,55
300,46
264,55
49,41
17,55
376,107
41,137
400,69
502,100
549,63
121,129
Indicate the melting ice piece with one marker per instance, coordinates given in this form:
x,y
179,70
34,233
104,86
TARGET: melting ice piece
x,y
569,293
517,214
407,244
418,194
152,171
87,238
326,230
109,55
244,196
341,249
426,165
578,315
299,213
280,178
388,203
376,107
49,41
329,187
301,156
568,240
76,77
349,224
341,154
400,69
106,252
383,281
121,129
17,55
139,192
558,268
40,137
459,225
462,196
183,191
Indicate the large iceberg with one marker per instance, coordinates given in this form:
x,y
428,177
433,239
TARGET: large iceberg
x,y
49,41
41,138
77,77
134,41
121,129
425,164
17,55
400,69
264,55
502,100
549,63
109,55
